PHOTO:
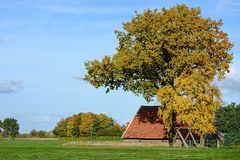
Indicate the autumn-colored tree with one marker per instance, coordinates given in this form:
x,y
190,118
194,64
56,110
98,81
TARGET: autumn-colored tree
x,y
102,124
173,53
193,100
61,128
73,124
87,123
106,126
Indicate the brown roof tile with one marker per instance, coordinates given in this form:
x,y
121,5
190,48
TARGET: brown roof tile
x,y
146,125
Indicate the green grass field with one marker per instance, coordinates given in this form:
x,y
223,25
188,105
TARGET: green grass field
x,y
54,150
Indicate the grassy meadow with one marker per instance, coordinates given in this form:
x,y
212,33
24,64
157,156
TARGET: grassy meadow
x,y
55,150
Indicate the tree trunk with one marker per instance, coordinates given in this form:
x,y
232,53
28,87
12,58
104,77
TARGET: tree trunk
x,y
171,135
172,131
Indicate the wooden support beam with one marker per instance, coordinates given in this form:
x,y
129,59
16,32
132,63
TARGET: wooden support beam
x,y
178,132
186,136
190,132
183,140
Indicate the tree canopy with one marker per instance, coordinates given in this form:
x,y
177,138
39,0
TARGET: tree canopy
x,y
173,53
86,124
10,127
156,47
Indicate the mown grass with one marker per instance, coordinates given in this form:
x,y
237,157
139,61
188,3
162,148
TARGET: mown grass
x,y
87,138
54,150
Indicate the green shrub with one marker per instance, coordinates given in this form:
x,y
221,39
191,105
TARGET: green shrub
x,y
227,121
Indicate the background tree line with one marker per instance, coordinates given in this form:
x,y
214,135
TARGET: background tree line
x,y
37,134
88,124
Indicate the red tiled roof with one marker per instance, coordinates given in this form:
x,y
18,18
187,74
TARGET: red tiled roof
x,y
146,125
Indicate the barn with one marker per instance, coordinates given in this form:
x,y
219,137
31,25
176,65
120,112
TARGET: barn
x,y
147,125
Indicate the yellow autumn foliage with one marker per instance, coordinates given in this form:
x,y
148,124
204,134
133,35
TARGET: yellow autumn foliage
x,y
194,100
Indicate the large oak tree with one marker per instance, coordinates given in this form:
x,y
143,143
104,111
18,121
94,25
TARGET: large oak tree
x,y
173,54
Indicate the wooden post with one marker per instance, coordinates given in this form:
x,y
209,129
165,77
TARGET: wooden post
x,y
190,132
186,136
183,140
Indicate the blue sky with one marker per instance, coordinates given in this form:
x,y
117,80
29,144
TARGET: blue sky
x,y
44,44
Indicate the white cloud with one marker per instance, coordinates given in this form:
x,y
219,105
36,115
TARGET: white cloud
x,y
8,87
228,6
230,87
